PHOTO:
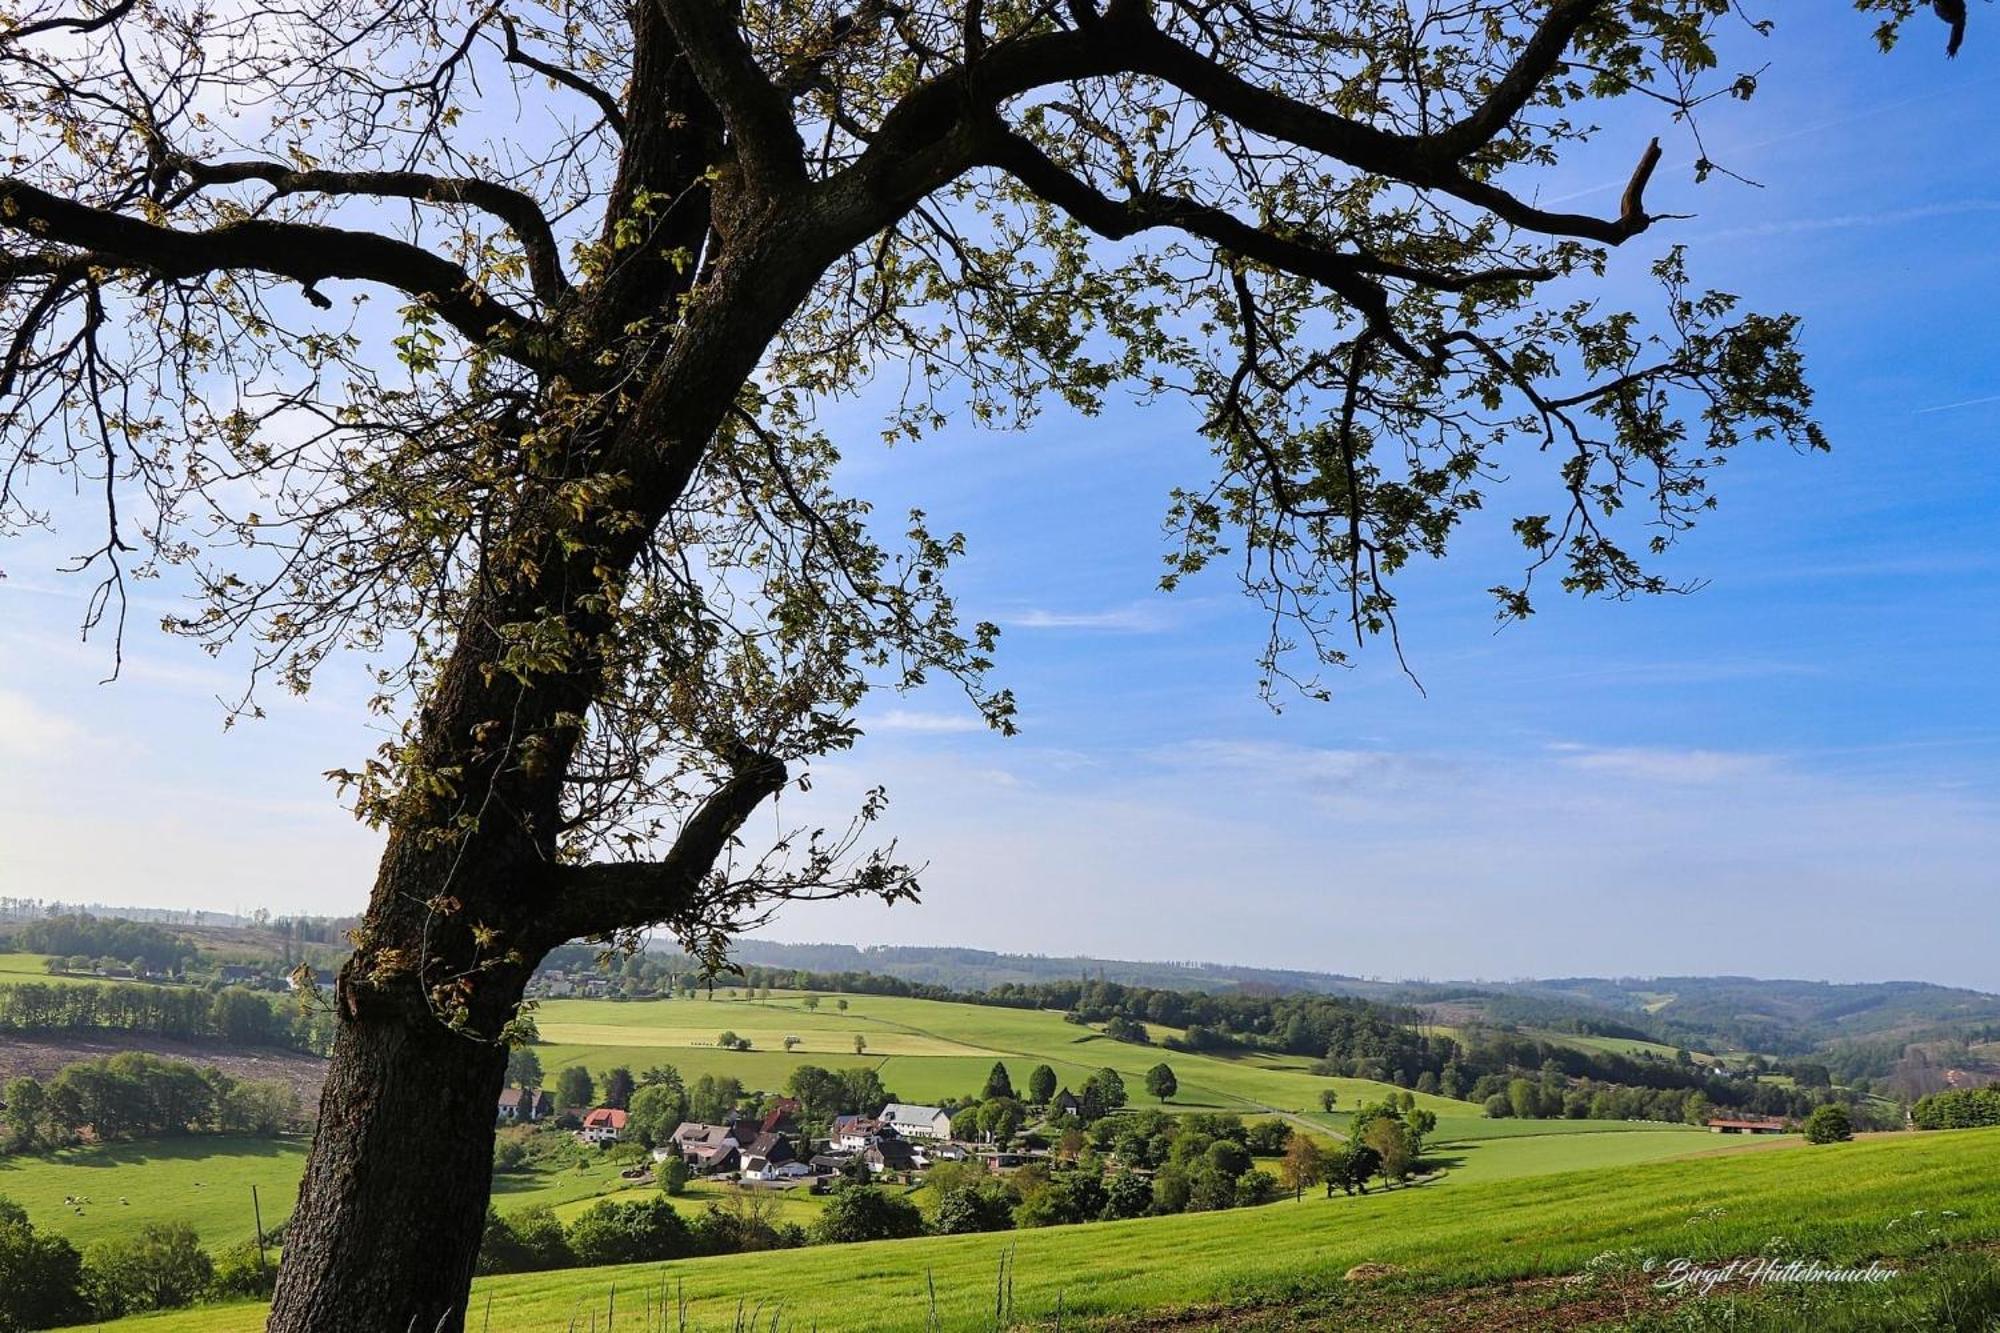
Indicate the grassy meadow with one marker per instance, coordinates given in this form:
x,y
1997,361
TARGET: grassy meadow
x,y
925,1050
1900,1198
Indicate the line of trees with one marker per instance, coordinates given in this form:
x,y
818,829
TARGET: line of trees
x,y
1960,1108
227,1014
134,1095
145,946
45,1282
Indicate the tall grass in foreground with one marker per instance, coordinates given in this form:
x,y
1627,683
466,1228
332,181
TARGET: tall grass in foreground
x,y
1906,1199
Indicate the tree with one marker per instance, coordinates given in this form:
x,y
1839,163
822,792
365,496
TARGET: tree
x,y
27,1115
1390,1139
1829,1124
655,1111
41,1277
714,1097
969,1208
1041,1085
575,1089
998,1083
1103,1092
674,1177
569,477
791,1043
811,1003
629,1233
863,1212
1327,1099
1302,1166
841,1004
161,1267
860,1043
1161,1083
618,1086
727,1040
524,1067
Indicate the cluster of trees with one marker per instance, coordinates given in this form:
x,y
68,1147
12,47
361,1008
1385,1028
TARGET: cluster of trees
x,y
46,1283
645,1231
1960,1108
82,935
133,1095
226,1014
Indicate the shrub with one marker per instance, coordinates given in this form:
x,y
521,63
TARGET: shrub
x,y
862,1212
241,1271
530,1241
163,1267
1829,1124
629,1233
41,1277
970,1208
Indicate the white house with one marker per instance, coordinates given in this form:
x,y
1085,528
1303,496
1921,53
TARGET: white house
x,y
604,1125
852,1133
916,1122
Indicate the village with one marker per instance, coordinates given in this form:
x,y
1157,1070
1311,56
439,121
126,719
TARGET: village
x,y
772,1148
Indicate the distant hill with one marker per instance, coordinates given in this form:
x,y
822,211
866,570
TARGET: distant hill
x,y
1783,1017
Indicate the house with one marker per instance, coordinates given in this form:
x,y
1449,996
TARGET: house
x,y
603,1125
770,1157
783,1111
829,1163
525,1104
1066,1103
890,1154
1751,1124
916,1122
239,974
706,1148
852,1133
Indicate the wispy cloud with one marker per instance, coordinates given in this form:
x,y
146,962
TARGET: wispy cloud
x,y
905,719
1953,407
1888,217
1137,618
1681,767
28,731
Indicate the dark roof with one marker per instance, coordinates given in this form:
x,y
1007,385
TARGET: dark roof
x,y
776,1147
893,1154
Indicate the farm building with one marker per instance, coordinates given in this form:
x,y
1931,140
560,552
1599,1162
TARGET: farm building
x,y
603,1125
1752,1124
525,1104
916,1122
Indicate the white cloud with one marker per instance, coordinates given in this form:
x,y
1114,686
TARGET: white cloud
x,y
905,719
1665,765
1138,618
28,731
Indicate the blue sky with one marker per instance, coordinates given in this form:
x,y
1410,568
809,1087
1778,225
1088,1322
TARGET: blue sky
x,y
1791,773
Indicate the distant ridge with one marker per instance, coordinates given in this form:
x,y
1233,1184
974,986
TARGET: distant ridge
x,y
1704,1013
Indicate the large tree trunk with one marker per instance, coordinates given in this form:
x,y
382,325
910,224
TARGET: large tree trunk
x,y
395,1193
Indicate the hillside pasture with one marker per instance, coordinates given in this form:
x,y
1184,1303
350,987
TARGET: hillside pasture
x,y
1899,1198
925,1050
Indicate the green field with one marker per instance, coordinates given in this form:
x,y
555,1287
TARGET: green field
x,y
16,968
1611,1045
926,1050
205,1182
1899,1198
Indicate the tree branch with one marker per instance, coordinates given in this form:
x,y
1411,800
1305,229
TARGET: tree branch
x,y
629,895
760,123
304,252
522,214
614,115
